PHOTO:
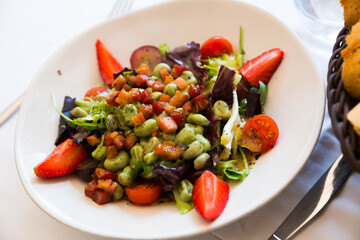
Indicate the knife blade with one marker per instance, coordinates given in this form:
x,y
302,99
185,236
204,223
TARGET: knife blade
x,y
315,201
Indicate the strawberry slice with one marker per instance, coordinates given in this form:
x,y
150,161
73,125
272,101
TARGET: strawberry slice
x,y
108,65
62,160
210,195
262,67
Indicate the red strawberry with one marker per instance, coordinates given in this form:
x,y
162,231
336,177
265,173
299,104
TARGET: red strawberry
x,y
62,160
262,67
210,195
108,65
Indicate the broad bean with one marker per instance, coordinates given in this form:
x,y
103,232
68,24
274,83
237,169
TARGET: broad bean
x,y
189,77
156,95
157,68
85,105
168,137
163,114
201,160
136,154
151,144
170,89
145,129
118,194
150,158
185,136
194,150
125,177
79,112
206,144
185,190
118,162
128,112
197,118
111,123
222,110
197,128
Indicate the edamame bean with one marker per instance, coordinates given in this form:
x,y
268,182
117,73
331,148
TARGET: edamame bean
x,y
201,160
136,154
118,162
150,158
118,194
185,136
151,144
111,123
221,110
128,112
156,95
185,190
194,150
189,77
206,144
145,129
197,118
197,128
157,68
125,177
170,89
79,112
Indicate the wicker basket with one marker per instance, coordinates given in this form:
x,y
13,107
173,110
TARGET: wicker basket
x,y
339,104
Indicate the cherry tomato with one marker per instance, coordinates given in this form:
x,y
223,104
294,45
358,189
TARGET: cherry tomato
x,y
215,46
95,91
144,193
260,133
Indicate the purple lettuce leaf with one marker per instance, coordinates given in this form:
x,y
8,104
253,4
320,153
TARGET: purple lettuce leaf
x,y
224,86
187,56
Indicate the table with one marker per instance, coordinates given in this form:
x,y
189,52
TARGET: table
x,y
32,30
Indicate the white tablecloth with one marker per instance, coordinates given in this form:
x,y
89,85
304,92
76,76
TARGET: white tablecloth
x,y
32,30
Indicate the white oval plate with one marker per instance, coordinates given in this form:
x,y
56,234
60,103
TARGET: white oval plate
x,y
296,100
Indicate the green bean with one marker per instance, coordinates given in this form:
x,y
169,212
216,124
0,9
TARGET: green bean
x,y
185,189
197,118
201,160
125,177
111,123
189,77
79,112
170,89
222,110
197,128
128,112
145,129
136,154
185,136
151,144
150,158
206,144
194,150
157,68
118,194
156,95
118,162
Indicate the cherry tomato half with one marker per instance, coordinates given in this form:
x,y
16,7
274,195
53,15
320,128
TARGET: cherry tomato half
x,y
144,193
92,92
260,133
215,46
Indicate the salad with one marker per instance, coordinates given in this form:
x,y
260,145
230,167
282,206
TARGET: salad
x,y
177,125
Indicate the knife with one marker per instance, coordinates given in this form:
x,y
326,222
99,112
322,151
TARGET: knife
x,y
316,200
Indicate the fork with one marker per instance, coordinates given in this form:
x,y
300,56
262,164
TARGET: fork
x,y
121,7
